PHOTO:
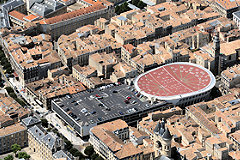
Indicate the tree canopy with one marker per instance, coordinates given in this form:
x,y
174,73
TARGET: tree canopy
x,y
9,157
23,155
15,148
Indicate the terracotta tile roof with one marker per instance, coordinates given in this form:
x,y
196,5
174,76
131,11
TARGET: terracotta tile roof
x,y
73,14
31,17
228,4
129,47
128,150
201,116
12,129
17,14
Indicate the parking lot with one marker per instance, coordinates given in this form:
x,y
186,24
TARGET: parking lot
x,y
89,108
102,104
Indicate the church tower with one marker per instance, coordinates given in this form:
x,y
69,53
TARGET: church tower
x,y
216,54
162,140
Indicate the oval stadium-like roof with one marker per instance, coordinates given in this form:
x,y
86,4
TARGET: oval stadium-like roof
x,y
175,80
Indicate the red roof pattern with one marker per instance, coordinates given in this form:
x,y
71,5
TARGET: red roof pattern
x,y
31,17
174,79
17,14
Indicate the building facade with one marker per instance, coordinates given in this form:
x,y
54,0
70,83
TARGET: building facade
x,y
45,145
13,134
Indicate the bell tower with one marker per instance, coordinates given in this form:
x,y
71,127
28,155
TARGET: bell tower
x,y
216,53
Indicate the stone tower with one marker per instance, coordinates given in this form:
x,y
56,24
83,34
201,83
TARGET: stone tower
x,y
216,54
162,140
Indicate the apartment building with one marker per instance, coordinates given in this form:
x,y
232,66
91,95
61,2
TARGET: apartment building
x,y
208,129
45,145
67,23
30,57
219,146
103,63
45,8
72,50
11,112
152,54
123,71
234,137
236,18
43,91
31,121
17,18
218,55
110,140
224,7
88,76
11,5
230,77
13,134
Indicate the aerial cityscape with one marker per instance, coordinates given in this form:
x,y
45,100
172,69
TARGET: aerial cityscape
x,y
119,80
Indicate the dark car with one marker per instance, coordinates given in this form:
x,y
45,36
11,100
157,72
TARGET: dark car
x,y
93,112
126,101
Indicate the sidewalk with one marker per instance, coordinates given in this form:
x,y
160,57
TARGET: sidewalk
x,y
56,122
28,98
34,156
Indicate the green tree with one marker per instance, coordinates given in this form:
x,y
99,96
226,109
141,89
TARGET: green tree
x,y
23,155
4,60
122,8
125,6
9,70
141,5
9,157
76,153
94,156
117,8
22,103
13,95
89,150
135,2
99,158
68,144
6,65
44,122
15,148
2,55
9,89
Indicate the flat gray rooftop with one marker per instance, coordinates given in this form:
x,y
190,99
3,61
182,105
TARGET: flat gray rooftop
x,y
103,105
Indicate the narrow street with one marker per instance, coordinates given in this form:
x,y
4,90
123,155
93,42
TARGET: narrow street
x,y
56,122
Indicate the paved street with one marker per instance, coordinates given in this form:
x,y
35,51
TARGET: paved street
x,y
56,122
28,98
8,83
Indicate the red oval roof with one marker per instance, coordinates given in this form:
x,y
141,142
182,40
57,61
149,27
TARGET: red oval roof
x,y
174,79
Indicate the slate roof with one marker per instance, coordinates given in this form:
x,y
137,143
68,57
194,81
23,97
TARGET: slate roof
x,y
49,139
163,131
29,121
45,7
61,154
167,135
